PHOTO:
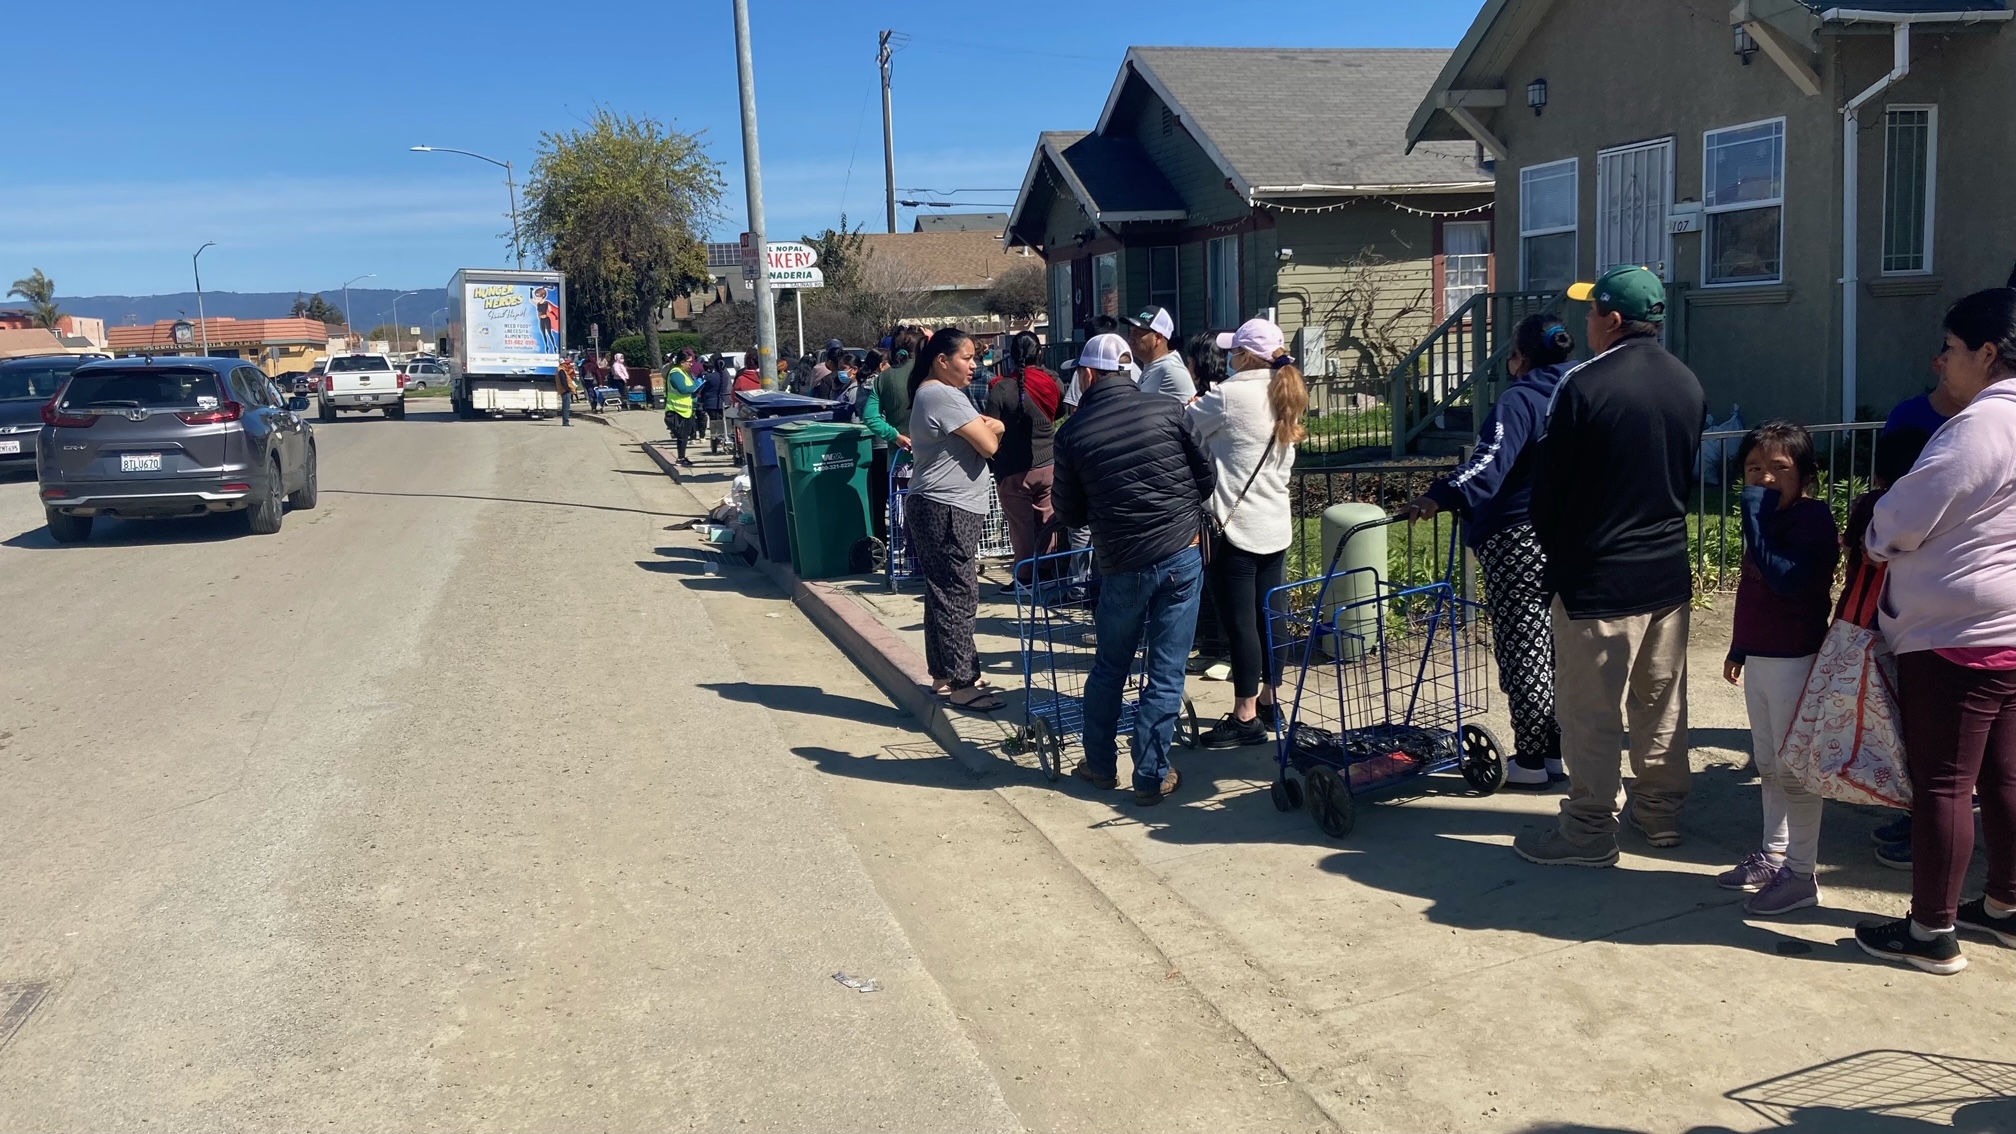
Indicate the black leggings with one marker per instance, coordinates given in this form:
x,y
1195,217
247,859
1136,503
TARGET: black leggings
x,y
1240,581
681,428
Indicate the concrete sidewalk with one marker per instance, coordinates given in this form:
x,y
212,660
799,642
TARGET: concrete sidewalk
x,y
1418,976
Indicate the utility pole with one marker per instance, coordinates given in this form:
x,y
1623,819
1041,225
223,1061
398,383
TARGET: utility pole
x,y
888,128
752,175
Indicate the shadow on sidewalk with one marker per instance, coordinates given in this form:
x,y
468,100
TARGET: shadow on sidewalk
x,y
809,701
921,765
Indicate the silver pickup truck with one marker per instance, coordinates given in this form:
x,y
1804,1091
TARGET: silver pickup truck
x,y
361,382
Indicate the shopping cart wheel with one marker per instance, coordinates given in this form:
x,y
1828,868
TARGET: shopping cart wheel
x,y
1483,761
1186,724
878,555
1049,748
1287,794
1330,802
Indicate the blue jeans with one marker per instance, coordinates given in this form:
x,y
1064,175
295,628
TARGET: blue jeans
x,y
1160,602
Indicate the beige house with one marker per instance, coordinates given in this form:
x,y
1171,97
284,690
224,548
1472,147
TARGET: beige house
x,y
1715,143
1221,183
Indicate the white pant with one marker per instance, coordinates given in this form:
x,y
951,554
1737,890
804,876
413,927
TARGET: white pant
x,y
1771,689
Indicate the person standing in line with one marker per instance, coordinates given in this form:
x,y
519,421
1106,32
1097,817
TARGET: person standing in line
x,y
681,383
1204,361
1616,466
713,400
1024,399
1130,467
1896,451
563,384
1783,608
1162,369
878,467
619,378
947,510
1250,424
1947,531
1494,489
824,366
887,413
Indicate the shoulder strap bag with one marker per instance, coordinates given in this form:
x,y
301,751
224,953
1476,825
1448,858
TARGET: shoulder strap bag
x,y
1214,528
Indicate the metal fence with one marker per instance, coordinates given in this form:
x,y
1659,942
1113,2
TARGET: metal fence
x,y
1846,455
1414,552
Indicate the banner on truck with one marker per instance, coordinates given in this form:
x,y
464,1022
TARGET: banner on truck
x,y
513,327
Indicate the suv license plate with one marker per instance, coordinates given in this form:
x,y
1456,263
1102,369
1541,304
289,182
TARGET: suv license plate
x,y
10,447
139,462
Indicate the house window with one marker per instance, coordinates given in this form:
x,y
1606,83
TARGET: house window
x,y
1548,248
1106,284
1163,290
1466,262
1060,301
1743,193
1634,190
1221,277
1910,143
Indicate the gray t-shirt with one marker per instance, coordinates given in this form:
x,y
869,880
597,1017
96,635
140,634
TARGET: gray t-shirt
x,y
1168,375
949,470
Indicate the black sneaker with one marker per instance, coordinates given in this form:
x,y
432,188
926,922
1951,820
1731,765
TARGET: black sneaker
x,y
1974,915
1893,941
1230,733
1270,717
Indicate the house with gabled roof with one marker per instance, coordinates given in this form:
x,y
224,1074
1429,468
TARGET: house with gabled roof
x,y
1815,182
1221,183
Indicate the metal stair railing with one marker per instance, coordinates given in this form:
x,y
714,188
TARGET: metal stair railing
x,y
1457,359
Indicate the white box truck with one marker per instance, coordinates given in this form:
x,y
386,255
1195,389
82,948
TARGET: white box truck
x,y
506,330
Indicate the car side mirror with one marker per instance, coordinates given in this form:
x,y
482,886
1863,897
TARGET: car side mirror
x,y
297,403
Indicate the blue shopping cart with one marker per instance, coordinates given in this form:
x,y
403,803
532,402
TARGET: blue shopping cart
x,y
1386,680
1054,614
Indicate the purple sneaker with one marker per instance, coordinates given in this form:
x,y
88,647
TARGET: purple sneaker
x,y
1752,874
1788,890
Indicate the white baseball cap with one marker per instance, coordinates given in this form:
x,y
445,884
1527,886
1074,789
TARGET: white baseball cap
x,y
1101,352
1157,320
1257,336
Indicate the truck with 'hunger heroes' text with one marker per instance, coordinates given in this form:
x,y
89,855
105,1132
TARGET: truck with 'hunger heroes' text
x,y
506,330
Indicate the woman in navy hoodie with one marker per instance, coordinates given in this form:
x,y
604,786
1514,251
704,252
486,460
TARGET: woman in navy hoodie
x,y
1493,490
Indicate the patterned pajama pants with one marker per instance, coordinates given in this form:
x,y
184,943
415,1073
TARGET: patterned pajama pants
x,y
1522,639
947,543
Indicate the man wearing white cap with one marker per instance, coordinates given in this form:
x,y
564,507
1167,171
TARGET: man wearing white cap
x,y
1129,466
1162,369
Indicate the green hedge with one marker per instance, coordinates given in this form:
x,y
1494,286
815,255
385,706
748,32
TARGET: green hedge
x,y
634,350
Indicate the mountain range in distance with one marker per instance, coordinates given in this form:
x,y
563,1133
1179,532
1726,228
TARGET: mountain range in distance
x,y
369,307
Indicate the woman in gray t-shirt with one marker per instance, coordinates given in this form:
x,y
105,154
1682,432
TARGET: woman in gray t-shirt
x,y
950,491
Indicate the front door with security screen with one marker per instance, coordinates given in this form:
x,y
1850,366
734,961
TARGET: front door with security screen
x,y
1634,190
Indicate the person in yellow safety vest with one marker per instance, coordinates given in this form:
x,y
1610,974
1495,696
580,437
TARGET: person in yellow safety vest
x,y
563,383
681,383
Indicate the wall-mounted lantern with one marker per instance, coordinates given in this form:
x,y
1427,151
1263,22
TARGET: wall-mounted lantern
x,y
1536,96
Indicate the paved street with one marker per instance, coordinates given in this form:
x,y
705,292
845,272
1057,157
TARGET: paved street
x,y
470,801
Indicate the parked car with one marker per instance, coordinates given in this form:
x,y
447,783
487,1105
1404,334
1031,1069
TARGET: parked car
x,y
425,374
26,383
293,382
361,382
172,437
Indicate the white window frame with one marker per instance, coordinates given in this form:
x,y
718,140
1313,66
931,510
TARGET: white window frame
x,y
1778,202
1574,165
1931,183
1604,254
1060,301
1174,292
1212,283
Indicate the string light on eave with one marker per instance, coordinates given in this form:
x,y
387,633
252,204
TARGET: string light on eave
x,y
1345,204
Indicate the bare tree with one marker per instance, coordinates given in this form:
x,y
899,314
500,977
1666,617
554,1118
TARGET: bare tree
x,y
1019,295
1374,316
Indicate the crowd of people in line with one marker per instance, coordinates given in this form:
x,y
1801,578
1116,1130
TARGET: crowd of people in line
x,y
1173,461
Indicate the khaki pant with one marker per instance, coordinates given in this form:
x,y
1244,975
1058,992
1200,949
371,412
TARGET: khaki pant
x,y
1605,671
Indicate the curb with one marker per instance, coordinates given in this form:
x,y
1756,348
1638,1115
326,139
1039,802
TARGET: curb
x,y
873,647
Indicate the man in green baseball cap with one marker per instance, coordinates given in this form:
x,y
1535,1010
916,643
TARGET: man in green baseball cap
x,y
1626,294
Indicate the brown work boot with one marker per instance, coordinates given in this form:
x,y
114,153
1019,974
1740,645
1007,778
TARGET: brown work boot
x,y
1084,772
1149,797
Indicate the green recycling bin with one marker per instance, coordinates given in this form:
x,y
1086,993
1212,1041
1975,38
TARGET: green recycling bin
x,y
825,494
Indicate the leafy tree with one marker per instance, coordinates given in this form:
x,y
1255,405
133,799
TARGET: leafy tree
x,y
619,206
40,292
300,308
1019,294
843,255
315,307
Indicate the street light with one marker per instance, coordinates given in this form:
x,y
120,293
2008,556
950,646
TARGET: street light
x,y
510,182
395,318
195,265
347,324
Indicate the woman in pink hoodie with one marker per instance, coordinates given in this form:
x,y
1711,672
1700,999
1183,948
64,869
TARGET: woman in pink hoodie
x,y
1947,530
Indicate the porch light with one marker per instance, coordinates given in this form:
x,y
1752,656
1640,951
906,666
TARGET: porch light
x,y
1536,95
1745,46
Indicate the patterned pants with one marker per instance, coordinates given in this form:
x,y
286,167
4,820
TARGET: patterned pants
x,y
947,545
1522,639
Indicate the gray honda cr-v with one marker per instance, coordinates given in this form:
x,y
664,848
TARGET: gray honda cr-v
x,y
171,437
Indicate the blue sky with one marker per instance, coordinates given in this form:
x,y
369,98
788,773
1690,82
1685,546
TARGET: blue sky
x,y
281,131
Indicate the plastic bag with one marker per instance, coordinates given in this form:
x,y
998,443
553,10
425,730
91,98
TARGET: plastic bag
x,y
1715,454
1845,742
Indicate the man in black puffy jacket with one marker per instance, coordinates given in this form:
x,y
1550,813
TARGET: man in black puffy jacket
x,y
1129,466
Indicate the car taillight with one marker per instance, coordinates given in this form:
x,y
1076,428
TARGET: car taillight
x,y
403,379
53,416
229,411
328,384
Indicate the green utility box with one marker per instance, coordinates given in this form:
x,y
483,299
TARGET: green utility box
x,y
1359,628
825,494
